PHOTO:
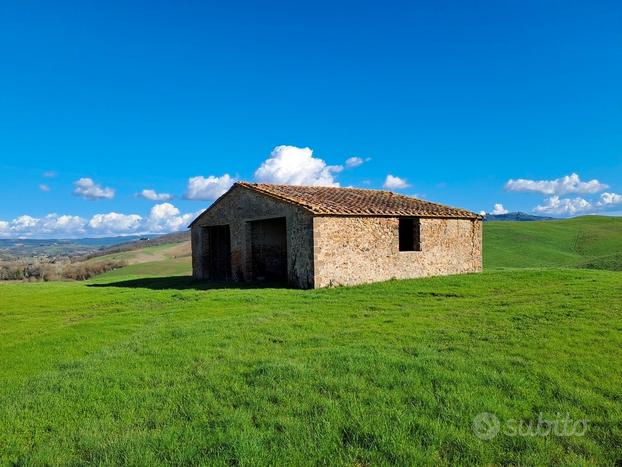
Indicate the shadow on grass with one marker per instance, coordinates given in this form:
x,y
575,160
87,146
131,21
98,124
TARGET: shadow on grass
x,y
187,283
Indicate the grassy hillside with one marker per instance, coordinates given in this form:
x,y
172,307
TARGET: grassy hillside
x,y
150,371
166,267
589,241
146,370
162,260
148,254
174,237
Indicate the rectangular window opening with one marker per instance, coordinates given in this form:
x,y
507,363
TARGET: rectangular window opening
x,y
410,234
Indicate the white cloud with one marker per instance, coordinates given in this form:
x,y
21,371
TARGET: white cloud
x,y
209,188
482,213
291,165
88,189
572,206
50,174
44,187
354,161
560,186
499,209
152,195
609,199
28,226
167,218
564,206
395,183
71,225
114,223
162,218
23,223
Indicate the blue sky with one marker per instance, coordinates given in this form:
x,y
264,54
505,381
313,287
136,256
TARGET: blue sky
x,y
453,98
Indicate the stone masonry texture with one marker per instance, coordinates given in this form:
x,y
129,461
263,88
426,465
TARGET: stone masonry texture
x,y
358,250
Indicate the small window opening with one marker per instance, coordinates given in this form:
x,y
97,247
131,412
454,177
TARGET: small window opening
x,y
410,234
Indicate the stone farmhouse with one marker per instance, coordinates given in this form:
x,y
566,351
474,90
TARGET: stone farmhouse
x,y
310,236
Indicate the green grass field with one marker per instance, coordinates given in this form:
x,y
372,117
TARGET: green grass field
x,y
589,241
130,368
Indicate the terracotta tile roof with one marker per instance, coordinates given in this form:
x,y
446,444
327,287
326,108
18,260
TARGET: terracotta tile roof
x,y
356,202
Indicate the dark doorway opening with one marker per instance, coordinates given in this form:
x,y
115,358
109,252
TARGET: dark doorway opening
x,y
269,249
219,252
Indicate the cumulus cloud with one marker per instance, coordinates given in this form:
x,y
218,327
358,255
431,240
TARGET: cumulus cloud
x,y
291,165
44,187
395,183
167,218
114,223
354,161
16,226
609,199
560,186
65,223
209,188
564,206
573,206
152,195
23,223
162,218
28,226
498,209
88,189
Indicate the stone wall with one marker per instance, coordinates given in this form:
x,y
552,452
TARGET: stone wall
x,y
356,250
237,209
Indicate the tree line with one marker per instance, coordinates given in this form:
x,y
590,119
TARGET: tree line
x,y
41,269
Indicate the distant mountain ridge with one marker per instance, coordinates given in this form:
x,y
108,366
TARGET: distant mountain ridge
x,y
85,247
98,241
517,216
29,247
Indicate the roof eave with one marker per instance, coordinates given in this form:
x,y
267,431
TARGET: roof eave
x,y
423,215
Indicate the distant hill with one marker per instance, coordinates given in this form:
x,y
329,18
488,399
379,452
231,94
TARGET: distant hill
x,y
10,248
589,241
172,238
516,216
84,247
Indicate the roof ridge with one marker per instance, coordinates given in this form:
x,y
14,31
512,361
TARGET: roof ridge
x,y
375,190
259,187
256,187
363,201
